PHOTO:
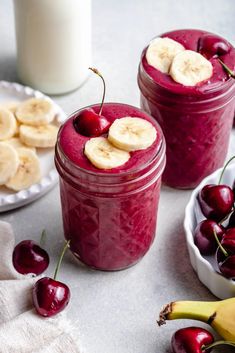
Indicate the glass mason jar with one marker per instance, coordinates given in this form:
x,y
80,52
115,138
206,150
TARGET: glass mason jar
x,y
53,40
110,219
196,124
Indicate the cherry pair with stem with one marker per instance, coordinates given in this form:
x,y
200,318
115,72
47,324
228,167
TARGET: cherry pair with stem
x,y
195,340
49,295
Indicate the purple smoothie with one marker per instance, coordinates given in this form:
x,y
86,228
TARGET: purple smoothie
x,y
109,215
196,121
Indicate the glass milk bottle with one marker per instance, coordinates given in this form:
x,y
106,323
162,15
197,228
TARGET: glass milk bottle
x,y
53,43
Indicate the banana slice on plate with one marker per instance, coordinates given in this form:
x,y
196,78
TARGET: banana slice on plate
x,y
17,143
11,105
39,136
9,162
132,134
8,124
103,155
190,68
35,111
28,171
161,52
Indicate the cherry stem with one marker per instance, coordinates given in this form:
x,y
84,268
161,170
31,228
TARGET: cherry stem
x,y
219,245
104,91
222,173
60,259
226,217
218,343
227,69
43,238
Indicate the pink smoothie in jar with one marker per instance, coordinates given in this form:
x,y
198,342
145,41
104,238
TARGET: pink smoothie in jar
x,y
109,215
196,120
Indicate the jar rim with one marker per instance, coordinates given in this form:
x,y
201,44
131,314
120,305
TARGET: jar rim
x,y
97,173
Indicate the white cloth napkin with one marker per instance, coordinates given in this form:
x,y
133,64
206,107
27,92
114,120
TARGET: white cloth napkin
x,y
21,329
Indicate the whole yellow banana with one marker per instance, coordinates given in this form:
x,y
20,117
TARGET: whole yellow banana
x,y
218,314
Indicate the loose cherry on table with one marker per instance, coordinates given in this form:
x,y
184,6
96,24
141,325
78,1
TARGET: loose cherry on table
x,y
88,122
30,258
204,237
195,340
49,295
210,46
191,340
216,201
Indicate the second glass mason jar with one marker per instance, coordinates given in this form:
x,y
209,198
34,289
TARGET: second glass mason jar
x,y
109,217
196,121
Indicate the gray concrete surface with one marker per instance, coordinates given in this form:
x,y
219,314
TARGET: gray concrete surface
x,y
116,312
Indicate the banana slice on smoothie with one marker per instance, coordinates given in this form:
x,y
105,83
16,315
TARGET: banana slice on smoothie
x,y
103,155
161,52
17,143
190,68
132,134
28,171
8,124
35,111
39,136
9,162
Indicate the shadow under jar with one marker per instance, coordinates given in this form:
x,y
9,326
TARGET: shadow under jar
x,y
196,121
109,215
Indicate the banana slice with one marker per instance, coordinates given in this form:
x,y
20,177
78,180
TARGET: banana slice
x,y
103,155
9,162
161,52
190,68
28,172
15,142
35,111
12,106
7,124
131,134
39,136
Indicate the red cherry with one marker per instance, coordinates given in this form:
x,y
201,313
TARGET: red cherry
x,y
50,296
226,264
91,124
29,257
216,201
191,340
228,244
88,122
212,46
204,236
227,267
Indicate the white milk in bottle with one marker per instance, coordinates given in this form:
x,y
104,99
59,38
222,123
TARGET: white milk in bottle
x,y
53,43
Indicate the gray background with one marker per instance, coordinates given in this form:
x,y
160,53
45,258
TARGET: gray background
x,y
116,312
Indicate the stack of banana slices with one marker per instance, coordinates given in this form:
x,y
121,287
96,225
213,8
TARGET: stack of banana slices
x,y
184,66
24,126
125,135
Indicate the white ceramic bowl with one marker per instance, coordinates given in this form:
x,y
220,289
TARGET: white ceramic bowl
x,y
206,266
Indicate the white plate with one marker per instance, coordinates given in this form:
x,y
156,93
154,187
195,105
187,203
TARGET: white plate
x,y
14,92
206,266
